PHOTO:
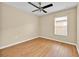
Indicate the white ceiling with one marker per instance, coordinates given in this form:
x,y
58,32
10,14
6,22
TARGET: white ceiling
x,y
57,6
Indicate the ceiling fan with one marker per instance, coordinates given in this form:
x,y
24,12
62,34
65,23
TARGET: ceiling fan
x,y
40,8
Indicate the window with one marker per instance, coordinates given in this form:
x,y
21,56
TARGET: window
x,y
61,25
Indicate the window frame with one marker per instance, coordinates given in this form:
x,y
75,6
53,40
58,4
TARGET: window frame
x,y
60,21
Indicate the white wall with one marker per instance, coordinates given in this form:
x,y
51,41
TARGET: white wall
x,y
47,26
16,25
78,27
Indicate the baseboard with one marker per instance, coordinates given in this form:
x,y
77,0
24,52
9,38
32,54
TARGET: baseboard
x,y
77,48
34,38
58,40
62,42
17,43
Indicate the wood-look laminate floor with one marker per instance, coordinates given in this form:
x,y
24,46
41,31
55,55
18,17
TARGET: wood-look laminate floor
x,y
40,47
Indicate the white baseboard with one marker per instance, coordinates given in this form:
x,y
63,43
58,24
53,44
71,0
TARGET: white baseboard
x,y
62,42
58,40
34,38
17,43
77,48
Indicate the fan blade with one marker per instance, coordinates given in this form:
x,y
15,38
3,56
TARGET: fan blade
x,y
35,10
47,6
44,11
33,5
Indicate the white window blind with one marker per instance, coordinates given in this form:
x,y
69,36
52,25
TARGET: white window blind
x,y
61,25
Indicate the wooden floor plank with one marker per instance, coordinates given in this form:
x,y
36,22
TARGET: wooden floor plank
x,y
40,47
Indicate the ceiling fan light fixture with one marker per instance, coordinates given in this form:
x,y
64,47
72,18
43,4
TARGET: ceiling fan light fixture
x,y
40,8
